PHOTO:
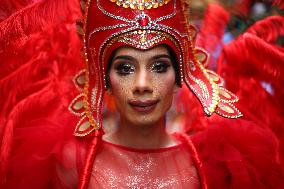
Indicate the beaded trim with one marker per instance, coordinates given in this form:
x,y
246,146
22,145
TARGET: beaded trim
x,y
122,38
143,43
134,22
93,123
214,98
140,4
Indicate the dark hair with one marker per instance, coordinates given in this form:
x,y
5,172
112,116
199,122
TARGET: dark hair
x,y
173,59
175,62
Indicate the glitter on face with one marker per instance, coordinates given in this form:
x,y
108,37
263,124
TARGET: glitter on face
x,y
140,76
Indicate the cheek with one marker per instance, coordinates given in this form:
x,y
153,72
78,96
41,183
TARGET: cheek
x,y
119,87
165,84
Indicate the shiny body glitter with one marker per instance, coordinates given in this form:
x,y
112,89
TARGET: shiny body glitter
x,y
122,167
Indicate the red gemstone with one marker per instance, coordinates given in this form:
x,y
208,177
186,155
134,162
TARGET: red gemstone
x,y
143,21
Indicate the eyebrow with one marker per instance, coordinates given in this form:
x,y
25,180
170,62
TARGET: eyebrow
x,y
126,57
161,56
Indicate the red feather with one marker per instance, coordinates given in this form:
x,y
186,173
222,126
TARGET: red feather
x,y
34,78
279,3
213,28
268,29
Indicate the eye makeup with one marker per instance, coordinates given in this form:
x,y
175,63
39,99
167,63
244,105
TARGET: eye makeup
x,y
160,67
125,64
161,63
124,68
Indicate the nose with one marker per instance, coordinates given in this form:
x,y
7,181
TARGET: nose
x,y
143,83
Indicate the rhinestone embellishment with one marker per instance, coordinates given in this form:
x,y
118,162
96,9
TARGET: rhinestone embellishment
x,y
143,21
140,4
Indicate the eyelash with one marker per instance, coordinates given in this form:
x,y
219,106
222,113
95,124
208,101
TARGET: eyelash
x,y
125,68
163,67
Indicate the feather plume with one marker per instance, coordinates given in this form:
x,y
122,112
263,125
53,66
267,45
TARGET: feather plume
x,y
212,30
279,3
265,57
15,30
8,7
252,61
35,78
268,29
255,51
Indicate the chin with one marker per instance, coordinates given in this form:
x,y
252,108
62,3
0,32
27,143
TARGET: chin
x,y
145,120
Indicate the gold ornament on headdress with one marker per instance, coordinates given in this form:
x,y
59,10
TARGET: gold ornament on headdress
x,y
205,84
140,4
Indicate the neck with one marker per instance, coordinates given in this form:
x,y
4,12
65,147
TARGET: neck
x,y
142,136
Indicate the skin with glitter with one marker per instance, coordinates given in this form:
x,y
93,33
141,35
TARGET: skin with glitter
x,y
137,83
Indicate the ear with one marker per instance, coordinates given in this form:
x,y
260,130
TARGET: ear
x,y
176,88
109,91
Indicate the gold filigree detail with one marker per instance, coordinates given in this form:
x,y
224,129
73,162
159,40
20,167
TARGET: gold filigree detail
x,y
226,108
225,94
200,56
78,105
84,127
143,38
141,4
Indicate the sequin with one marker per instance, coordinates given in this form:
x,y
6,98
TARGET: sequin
x,y
120,167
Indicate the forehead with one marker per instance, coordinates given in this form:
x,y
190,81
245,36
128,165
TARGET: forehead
x,y
137,53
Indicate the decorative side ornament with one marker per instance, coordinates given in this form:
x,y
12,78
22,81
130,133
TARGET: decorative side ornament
x,y
142,24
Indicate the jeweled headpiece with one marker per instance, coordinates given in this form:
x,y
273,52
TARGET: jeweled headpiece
x,y
142,24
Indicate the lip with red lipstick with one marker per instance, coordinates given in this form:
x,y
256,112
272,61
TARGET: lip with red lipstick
x,y
143,106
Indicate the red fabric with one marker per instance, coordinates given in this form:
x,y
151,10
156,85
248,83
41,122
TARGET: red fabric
x,y
93,149
123,167
238,154
195,158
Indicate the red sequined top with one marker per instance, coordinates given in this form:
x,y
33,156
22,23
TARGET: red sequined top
x,y
123,167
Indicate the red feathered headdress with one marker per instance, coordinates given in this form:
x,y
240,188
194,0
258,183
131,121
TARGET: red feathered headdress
x,y
110,24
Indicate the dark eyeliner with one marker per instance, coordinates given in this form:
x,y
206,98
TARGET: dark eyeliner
x,y
160,67
124,68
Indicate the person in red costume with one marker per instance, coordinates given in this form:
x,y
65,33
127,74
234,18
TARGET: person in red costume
x,y
137,54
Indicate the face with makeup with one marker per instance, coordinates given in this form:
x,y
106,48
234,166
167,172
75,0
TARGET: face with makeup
x,y
142,83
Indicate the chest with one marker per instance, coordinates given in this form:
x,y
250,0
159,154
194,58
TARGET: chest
x,y
120,168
